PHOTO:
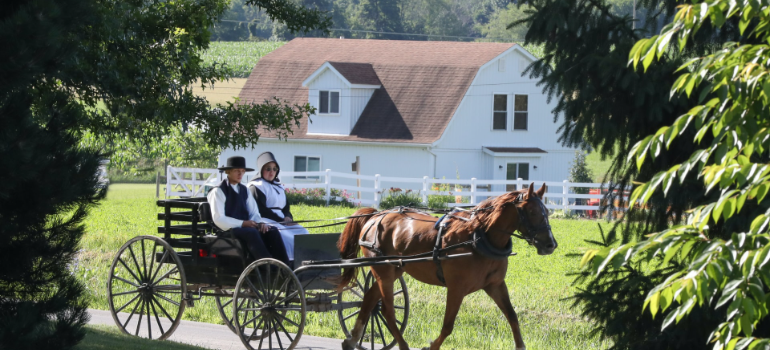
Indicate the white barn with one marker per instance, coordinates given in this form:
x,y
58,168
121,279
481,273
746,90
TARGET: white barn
x,y
410,109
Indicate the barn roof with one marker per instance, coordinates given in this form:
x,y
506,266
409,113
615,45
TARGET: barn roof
x,y
422,82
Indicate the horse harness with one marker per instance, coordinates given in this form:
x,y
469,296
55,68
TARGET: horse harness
x,y
479,240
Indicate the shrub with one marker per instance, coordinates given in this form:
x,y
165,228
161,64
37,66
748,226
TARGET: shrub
x,y
397,197
317,197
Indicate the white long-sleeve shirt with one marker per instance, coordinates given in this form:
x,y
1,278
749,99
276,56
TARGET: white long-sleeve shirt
x,y
216,198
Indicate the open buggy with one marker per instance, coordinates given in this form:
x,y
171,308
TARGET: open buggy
x,y
264,302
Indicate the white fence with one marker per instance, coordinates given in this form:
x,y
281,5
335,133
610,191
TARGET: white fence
x,y
190,182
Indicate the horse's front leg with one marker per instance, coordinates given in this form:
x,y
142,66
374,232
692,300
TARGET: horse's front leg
x,y
499,293
371,298
454,298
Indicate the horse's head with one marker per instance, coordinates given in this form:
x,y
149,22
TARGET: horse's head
x,y
533,220
522,211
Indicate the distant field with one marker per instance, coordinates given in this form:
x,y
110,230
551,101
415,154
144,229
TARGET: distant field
x,y
539,285
222,91
240,56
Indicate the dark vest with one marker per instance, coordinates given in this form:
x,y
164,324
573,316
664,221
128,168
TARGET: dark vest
x,y
235,203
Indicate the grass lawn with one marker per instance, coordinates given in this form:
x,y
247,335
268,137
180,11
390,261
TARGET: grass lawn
x,y
109,338
538,285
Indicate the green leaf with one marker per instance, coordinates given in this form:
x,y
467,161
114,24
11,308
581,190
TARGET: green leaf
x,y
669,318
734,309
666,297
587,257
654,303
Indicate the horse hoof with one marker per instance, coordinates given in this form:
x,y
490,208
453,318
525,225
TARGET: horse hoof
x,y
346,346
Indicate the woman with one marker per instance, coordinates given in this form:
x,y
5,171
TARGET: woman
x,y
270,195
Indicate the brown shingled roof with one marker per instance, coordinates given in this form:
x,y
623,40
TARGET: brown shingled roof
x,y
357,73
422,82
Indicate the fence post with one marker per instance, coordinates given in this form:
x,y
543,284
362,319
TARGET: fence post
x,y
192,186
425,190
328,185
519,184
473,190
168,180
564,192
377,191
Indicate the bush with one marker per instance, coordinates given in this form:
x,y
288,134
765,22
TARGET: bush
x,y
317,197
397,197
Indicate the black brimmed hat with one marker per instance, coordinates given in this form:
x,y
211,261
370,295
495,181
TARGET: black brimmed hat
x,y
236,162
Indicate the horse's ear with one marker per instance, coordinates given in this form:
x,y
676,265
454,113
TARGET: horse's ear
x,y
541,191
529,190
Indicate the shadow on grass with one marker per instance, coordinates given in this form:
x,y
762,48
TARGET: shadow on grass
x,y
109,338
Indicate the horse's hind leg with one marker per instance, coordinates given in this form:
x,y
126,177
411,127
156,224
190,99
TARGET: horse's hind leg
x,y
454,298
499,293
386,280
371,298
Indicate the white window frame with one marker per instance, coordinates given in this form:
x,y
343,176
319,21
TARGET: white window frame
x,y
339,100
507,110
513,112
294,164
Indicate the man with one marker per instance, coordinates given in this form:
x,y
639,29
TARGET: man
x,y
232,208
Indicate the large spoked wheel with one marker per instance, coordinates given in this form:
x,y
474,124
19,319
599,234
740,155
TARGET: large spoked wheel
x,y
225,307
146,288
269,306
376,334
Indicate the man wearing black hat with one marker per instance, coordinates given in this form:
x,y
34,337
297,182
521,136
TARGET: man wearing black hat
x,y
232,208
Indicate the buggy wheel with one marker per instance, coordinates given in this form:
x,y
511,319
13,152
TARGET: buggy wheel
x,y
225,308
146,288
269,306
376,334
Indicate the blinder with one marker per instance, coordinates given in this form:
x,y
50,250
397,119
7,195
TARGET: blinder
x,y
531,235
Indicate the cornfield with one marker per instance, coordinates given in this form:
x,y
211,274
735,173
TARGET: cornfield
x,y
240,56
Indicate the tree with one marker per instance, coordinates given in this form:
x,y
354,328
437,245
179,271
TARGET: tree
x,y
609,106
375,15
727,271
62,60
579,172
498,26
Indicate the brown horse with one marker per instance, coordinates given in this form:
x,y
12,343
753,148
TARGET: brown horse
x,y
408,232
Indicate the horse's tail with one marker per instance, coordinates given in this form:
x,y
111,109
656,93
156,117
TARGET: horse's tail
x,y
348,243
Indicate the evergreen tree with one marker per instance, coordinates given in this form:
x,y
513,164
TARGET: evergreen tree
x,y
61,60
610,106
579,172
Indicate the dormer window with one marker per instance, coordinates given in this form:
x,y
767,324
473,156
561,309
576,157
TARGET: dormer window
x,y
328,102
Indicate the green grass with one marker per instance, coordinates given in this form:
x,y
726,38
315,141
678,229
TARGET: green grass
x,y
240,56
598,166
109,338
538,284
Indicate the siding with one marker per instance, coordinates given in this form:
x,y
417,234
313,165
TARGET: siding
x,y
471,127
358,100
332,124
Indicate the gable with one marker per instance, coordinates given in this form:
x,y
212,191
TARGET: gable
x,y
422,83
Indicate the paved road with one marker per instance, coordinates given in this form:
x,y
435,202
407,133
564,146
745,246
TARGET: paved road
x,y
213,336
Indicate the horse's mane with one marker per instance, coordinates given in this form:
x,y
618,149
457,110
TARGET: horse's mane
x,y
486,217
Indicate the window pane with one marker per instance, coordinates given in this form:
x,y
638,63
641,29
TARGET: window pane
x,y
323,102
520,121
521,103
498,123
510,174
524,171
501,103
313,164
300,163
335,102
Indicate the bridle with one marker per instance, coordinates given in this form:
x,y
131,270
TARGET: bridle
x,y
530,236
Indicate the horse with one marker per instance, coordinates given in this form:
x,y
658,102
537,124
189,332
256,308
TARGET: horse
x,y
409,232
